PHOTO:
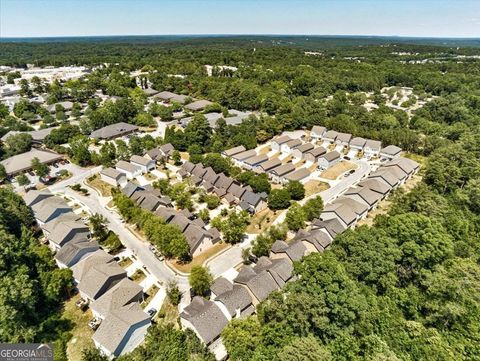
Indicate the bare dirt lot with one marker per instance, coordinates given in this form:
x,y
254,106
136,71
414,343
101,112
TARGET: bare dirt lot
x,y
314,187
198,260
261,221
105,189
338,169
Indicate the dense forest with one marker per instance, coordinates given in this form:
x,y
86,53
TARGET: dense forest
x,y
407,288
32,288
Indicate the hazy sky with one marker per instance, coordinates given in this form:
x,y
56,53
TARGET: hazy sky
x,y
440,18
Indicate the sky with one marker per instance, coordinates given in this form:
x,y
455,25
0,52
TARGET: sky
x,y
428,18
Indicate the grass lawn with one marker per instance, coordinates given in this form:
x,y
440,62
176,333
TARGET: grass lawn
x,y
138,276
81,333
299,164
200,259
124,263
338,169
151,292
265,150
262,221
150,177
168,313
314,187
105,189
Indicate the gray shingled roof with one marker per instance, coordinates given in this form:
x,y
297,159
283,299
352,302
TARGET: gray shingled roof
x,y
206,317
167,149
223,181
316,237
140,160
165,95
44,209
253,198
113,329
210,176
296,251
67,254
235,299
317,152
221,285
332,226
130,188
95,271
391,150
358,207
194,235
282,139
245,155
181,221
188,166
373,144
406,165
304,148
82,267
52,224
98,276
283,170
257,159
331,156
198,105
330,134
236,190
369,196
123,293
298,175
375,185
343,212
37,135
233,151
112,173
318,130
343,137
199,170
34,196
294,143
270,164
149,201
68,229
386,175
22,162
126,166
166,213
358,142
262,284
279,246
113,130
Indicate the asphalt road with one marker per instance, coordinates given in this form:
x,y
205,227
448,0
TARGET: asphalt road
x,y
139,248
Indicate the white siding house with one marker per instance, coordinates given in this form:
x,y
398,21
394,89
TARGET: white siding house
x,y
145,164
113,177
130,170
328,160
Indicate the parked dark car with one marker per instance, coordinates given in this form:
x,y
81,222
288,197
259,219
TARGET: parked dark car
x,y
151,312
